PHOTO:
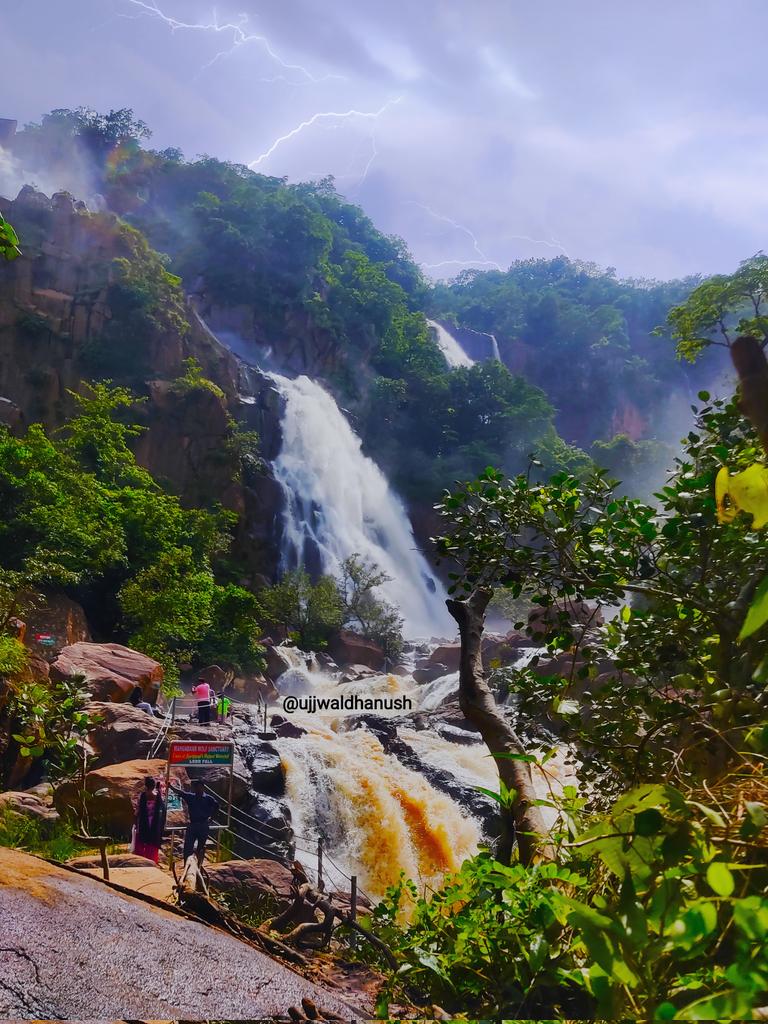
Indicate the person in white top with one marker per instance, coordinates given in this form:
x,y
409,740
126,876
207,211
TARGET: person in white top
x,y
203,693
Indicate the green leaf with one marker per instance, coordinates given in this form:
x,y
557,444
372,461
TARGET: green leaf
x,y
720,879
649,822
757,615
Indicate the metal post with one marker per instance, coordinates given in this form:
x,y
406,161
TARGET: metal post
x,y
353,909
265,716
320,886
173,711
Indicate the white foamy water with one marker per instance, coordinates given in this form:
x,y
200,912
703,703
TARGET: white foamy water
x,y
338,503
450,347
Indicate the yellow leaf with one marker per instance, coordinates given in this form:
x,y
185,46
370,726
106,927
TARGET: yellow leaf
x,y
745,492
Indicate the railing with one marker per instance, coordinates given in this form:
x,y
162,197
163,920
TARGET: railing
x,y
247,830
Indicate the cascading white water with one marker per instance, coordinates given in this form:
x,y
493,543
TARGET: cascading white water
x,y
450,347
338,502
495,348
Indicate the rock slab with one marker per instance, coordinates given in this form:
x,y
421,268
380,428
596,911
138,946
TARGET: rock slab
x,y
111,671
75,949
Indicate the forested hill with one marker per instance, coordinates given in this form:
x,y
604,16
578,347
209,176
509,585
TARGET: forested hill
x,y
308,285
586,338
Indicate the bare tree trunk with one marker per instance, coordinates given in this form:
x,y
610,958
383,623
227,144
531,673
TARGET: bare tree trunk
x,y
523,820
750,363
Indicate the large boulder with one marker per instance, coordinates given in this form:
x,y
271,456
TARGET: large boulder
x,y
447,656
111,671
280,658
111,795
264,764
120,732
349,648
59,622
263,884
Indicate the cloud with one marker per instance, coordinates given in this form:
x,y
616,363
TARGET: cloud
x,y
626,134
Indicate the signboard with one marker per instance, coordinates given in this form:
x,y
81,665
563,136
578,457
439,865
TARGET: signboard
x,y
45,639
200,754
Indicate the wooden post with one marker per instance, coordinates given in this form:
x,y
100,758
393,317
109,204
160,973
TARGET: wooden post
x,y
320,864
101,843
353,909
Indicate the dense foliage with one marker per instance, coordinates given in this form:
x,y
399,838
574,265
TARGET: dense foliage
x,y
582,335
81,515
309,268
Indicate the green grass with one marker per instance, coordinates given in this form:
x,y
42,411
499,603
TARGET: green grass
x,y
54,840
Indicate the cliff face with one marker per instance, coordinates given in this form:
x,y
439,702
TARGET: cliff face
x,y
55,306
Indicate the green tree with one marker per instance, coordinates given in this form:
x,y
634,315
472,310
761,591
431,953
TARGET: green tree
x,y
308,611
9,241
721,308
365,610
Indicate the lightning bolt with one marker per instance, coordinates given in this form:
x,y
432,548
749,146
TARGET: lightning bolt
x,y
371,115
240,35
483,261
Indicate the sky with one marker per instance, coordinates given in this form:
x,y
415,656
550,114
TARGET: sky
x,y
631,134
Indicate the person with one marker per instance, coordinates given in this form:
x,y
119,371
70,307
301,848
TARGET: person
x,y
214,705
225,707
150,821
203,693
201,807
137,700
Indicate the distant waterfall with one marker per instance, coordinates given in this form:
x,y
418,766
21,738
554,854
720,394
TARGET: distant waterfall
x,y
449,346
339,502
495,348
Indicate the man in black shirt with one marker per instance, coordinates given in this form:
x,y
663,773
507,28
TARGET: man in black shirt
x,y
201,807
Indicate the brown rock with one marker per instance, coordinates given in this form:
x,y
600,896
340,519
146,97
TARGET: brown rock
x,y
30,805
280,659
116,860
448,655
111,671
255,882
112,794
120,732
349,648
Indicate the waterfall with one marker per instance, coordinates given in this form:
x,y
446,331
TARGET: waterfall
x,y
338,502
450,347
495,348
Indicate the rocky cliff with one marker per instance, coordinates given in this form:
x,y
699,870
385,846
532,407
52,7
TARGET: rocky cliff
x,y
59,306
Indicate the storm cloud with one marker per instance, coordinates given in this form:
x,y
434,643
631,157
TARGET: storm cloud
x,y
633,135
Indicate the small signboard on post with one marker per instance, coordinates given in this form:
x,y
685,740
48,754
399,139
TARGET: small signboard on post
x,y
200,754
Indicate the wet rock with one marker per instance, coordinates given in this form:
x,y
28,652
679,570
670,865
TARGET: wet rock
x,y
294,683
355,672
111,671
111,793
264,764
120,732
447,656
262,828
429,673
280,659
349,648
286,729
